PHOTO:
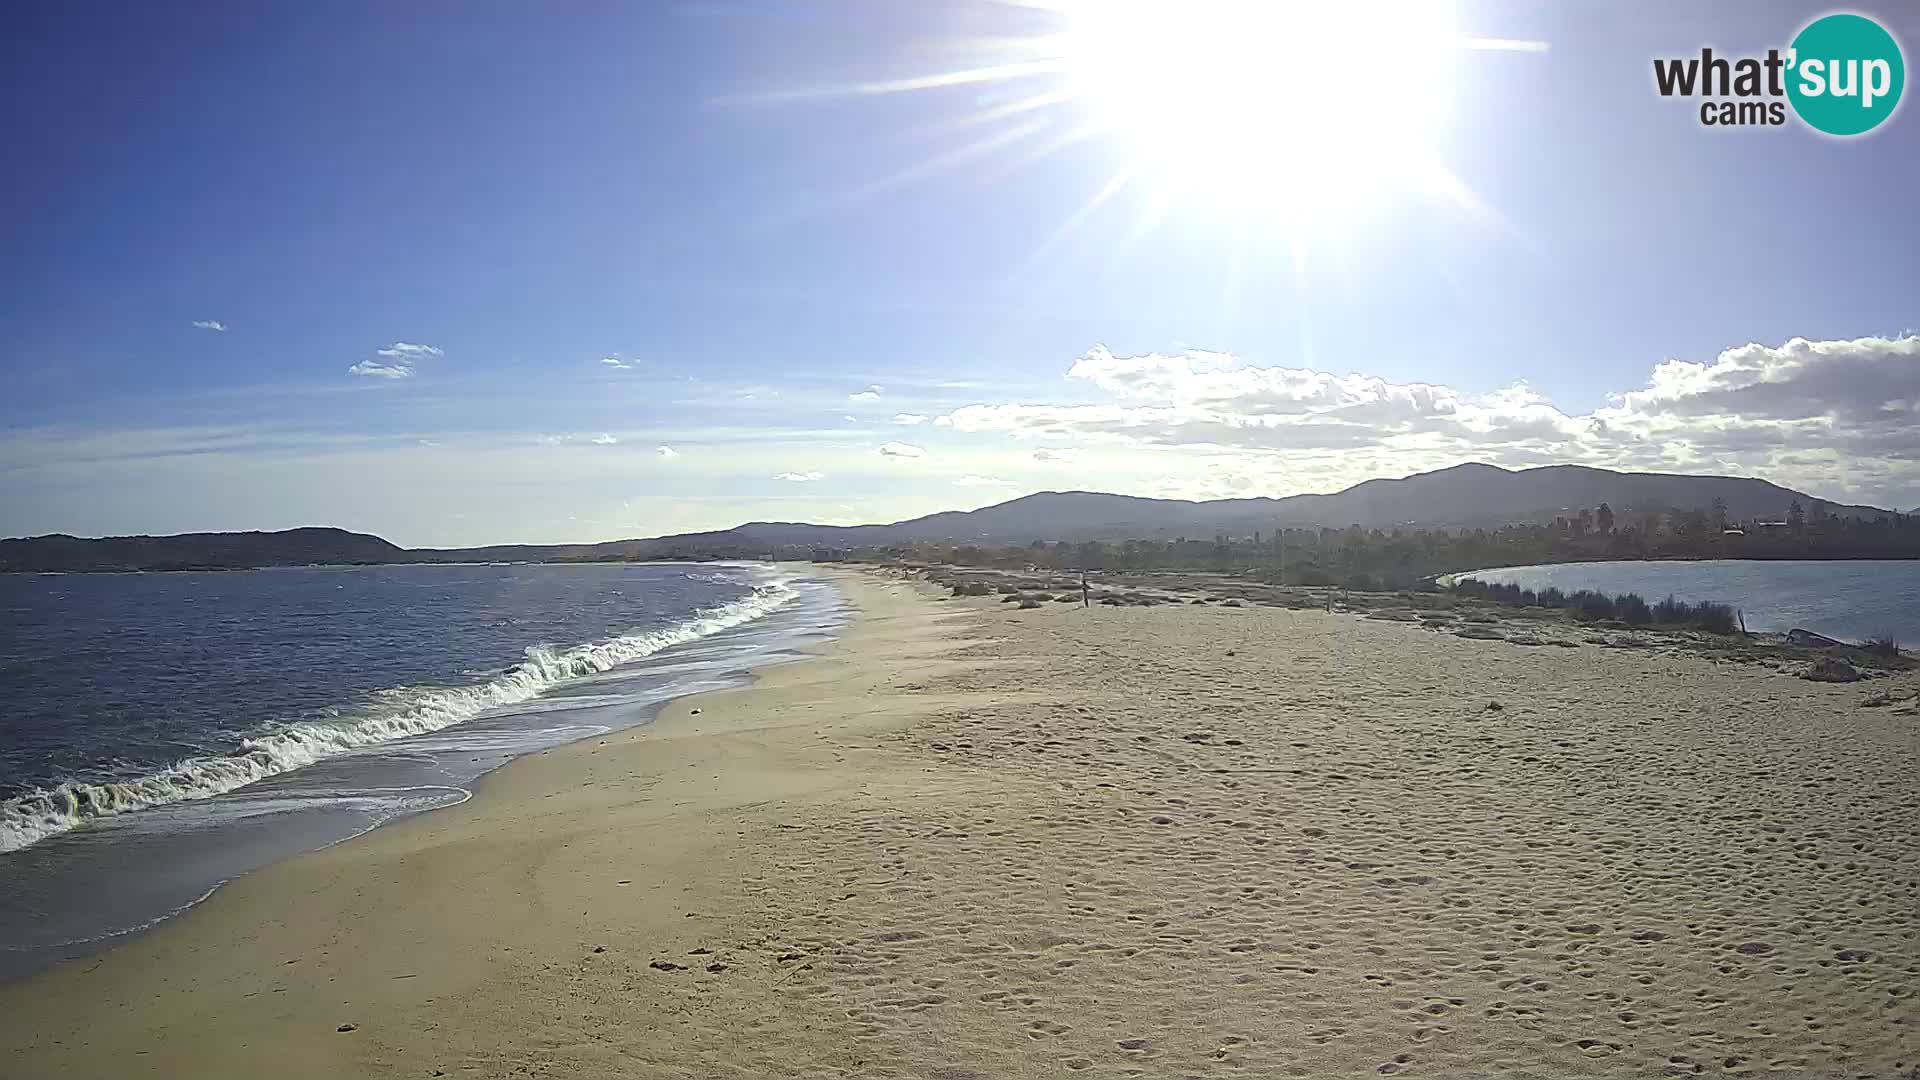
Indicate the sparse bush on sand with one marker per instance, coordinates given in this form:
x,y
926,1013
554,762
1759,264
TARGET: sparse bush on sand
x,y
1882,646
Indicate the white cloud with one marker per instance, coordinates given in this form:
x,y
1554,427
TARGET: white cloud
x,y
400,357
901,451
378,370
909,419
215,325
1839,415
616,362
410,351
1055,455
427,442
871,393
800,477
604,439
666,452
984,481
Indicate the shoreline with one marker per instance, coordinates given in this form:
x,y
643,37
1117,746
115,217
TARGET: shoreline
x,y
967,837
79,895
60,1016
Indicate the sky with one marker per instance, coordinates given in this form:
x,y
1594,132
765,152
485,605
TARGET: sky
x,y
466,273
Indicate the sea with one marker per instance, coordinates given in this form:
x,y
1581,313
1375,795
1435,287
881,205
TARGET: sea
x,y
1851,600
161,734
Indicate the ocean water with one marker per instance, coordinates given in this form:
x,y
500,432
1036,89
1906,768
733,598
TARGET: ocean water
x,y
1854,600
163,733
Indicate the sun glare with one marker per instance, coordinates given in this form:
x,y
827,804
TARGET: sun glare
x,y
1292,119
1288,110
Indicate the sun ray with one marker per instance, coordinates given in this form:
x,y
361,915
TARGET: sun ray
x,y
1114,186
971,77
1253,111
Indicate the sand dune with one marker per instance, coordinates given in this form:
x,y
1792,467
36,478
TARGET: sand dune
x,y
981,841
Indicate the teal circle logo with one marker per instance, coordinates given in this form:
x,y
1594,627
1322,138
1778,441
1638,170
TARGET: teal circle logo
x,y
1845,74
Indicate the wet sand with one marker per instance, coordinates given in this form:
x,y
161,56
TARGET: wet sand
x,y
973,840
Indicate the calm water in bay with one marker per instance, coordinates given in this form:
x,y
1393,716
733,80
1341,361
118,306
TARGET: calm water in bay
x,y
1849,600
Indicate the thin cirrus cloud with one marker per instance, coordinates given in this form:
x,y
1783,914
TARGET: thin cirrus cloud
x,y
214,325
900,451
800,477
907,419
397,361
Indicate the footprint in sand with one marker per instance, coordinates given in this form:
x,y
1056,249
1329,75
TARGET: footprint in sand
x,y
1039,1029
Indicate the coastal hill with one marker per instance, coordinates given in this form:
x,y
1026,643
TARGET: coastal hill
x,y
1464,496
196,551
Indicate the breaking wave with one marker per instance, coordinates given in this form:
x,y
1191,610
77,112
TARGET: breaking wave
x,y
36,815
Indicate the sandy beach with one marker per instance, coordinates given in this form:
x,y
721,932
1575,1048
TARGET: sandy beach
x,y
975,840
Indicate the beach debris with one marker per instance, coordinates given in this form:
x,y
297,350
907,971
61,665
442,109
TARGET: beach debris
x,y
716,967
345,1027
1831,669
1198,736
1877,699
667,965
599,948
1807,639
693,712
1494,706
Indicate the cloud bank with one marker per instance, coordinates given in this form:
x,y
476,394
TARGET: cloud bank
x,y
1829,414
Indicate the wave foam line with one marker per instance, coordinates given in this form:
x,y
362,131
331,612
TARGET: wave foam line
x,y
39,814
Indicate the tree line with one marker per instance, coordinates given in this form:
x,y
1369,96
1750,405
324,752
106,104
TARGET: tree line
x,y
1360,558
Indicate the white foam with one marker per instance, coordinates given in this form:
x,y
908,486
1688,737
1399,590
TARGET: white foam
x,y
47,812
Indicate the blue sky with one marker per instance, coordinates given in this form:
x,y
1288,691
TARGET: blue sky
x,y
582,233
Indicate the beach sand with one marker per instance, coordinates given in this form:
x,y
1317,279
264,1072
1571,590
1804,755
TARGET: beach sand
x,y
972,840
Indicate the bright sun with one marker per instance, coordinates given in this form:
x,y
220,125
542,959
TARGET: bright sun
x,y
1291,111
1299,116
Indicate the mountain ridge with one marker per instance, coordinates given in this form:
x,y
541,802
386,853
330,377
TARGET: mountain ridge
x,y
1473,494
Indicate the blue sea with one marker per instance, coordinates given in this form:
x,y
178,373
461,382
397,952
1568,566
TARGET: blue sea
x,y
163,733
1853,601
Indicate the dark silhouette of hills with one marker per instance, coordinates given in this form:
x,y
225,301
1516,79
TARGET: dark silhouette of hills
x,y
197,551
1464,496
